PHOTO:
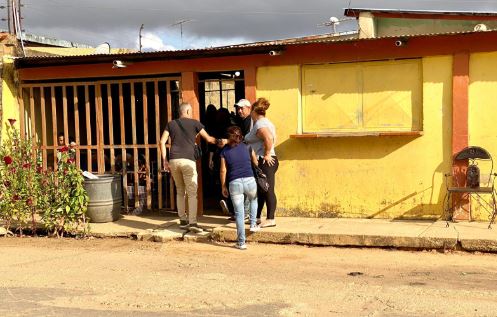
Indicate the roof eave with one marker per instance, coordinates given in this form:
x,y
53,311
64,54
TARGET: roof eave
x,y
30,62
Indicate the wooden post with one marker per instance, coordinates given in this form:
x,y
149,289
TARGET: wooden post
x,y
100,129
157,138
135,149
111,129
76,124
123,144
88,129
54,127
43,127
145,141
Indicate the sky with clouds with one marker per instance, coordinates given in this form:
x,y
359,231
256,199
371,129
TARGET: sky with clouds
x,y
210,22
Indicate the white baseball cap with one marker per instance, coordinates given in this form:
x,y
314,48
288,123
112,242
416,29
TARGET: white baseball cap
x,y
243,103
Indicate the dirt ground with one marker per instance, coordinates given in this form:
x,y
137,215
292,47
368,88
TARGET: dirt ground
x,y
49,277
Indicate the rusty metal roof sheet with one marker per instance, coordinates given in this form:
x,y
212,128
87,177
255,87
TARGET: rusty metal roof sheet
x,y
230,50
352,12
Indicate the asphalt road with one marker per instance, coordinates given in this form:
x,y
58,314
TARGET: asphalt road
x,y
116,277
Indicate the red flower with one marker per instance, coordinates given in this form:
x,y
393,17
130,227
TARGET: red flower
x,y
12,122
64,149
7,160
39,169
29,202
16,197
26,165
6,184
70,161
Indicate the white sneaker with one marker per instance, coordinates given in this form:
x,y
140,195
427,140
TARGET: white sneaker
x,y
241,246
224,207
255,229
268,223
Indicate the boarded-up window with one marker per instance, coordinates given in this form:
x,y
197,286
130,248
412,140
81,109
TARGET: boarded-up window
x,y
372,96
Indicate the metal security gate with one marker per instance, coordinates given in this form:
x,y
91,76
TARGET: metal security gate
x,y
114,126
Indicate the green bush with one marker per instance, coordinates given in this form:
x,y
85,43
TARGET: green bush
x,y
27,190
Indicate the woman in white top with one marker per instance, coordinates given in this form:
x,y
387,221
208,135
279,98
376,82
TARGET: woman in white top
x,y
262,138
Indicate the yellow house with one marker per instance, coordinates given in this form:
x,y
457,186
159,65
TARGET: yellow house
x,y
366,127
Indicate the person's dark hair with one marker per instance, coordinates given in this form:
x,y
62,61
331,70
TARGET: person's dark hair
x,y
260,106
60,134
235,135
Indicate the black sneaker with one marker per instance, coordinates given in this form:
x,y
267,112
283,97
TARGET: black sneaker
x,y
183,224
232,218
195,228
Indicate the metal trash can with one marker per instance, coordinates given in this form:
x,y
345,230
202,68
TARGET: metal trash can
x,y
105,198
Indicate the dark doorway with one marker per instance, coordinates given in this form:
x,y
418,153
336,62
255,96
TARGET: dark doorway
x,y
218,93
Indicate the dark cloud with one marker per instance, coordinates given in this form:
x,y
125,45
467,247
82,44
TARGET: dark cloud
x,y
118,21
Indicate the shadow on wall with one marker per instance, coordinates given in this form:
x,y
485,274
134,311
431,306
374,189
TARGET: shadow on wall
x,y
364,147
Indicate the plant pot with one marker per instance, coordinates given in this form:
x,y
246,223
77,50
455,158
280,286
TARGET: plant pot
x,y
105,198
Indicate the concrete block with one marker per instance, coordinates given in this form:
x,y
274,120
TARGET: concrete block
x,y
481,245
197,237
167,235
145,236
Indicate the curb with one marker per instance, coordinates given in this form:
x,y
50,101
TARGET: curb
x,y
340,240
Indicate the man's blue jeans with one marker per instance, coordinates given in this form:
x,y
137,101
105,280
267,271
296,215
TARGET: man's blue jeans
x,y
239,189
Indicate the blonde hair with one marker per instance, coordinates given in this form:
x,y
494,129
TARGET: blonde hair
x,y
260,106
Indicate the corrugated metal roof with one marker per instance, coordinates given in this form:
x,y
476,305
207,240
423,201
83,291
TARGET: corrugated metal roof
x,y
352,12
231,50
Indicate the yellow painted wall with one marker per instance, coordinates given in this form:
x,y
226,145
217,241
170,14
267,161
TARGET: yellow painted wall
x,y
381,177
483,111
10,108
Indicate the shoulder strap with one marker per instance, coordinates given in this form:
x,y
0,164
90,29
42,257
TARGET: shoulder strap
x,y
184,131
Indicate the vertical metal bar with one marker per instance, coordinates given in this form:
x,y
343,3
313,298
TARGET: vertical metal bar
x,y
111,129
172,198
43,127
123,144
88,128
100,129
76,124
54,126
145,141
135,150
157,138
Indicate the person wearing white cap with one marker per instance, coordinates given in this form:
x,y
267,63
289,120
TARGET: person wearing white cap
x,y
243,109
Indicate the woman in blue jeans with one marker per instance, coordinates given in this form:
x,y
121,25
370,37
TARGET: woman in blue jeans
x,y
236,170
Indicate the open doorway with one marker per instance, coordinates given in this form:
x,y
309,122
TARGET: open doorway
x,y
218,93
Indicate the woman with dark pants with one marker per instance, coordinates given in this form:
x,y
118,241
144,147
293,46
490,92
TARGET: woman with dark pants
x,y
262,138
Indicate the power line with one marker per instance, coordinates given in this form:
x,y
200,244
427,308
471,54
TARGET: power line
x,y
237,11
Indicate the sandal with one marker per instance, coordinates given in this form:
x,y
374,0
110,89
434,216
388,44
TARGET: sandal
x,y
268,223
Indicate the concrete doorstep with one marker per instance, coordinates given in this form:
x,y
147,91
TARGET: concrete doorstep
x,y
384,233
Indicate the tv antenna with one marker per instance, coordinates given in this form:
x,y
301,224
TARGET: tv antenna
x,y
140,37
180,23
333,22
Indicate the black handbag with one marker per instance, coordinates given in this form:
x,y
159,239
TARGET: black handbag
x,y
260,177
197,150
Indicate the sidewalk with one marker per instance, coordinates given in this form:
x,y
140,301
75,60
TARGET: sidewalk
x,y
469,236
